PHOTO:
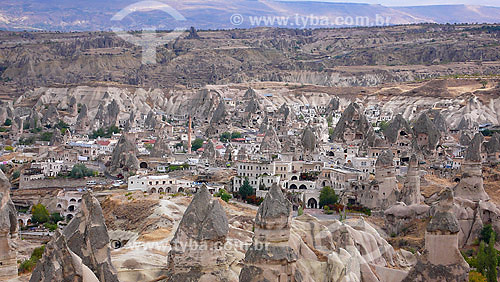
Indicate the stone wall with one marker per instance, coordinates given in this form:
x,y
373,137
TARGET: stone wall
x,y
56,183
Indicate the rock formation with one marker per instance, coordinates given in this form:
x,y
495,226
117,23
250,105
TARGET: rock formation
x,y
198,252
150,121
113,111
57,138
352,126
308,140
398,126
51,116
385,185
271,142
400,217
426,135
333,106
161,148
493,149
130,123
209,152
471,183
442,260
8,231
439,121
82,121
124,158
270,258
219,114
410,193
87,236
59,263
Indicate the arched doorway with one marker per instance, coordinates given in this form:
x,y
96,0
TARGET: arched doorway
x,y
302,187
312,204
69,217
143,165
21,223
180,190
160,190
168,190
71,208
153,190
294,177
293,186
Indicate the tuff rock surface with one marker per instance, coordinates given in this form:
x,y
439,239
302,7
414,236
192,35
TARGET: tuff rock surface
x,y
197,248
8,231
87,236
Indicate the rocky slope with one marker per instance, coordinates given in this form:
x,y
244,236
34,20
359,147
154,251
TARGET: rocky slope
x,y
330,57
455,98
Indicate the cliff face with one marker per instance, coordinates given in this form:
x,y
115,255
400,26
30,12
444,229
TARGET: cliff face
x,y
106,105
356,57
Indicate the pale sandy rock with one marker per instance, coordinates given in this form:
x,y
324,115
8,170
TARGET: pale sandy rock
x,y
8,231
197,248
471,183
87,236
426,135
271,142
397,124
59,263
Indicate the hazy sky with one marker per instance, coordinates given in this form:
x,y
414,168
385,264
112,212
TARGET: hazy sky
x,y
495,3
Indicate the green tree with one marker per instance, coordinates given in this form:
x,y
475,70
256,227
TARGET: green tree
x,y
29,264
80,171
56,217
224,195
16,174
235,134
481,259
383,125
224,137
492,260
39,214
246,189
327,196
8,122
196,144
486,232
46,136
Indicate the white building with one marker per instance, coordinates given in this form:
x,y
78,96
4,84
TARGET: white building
x,y
159,184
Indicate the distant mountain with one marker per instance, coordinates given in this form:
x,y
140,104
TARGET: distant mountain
x,y
91,15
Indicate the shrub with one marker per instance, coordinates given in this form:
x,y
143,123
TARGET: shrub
x,y
39,214
196,144
56,217
225,196
486,232
246,190
50,226
327,196
80,171
8,122
475,276
300,211
254,200
29,264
